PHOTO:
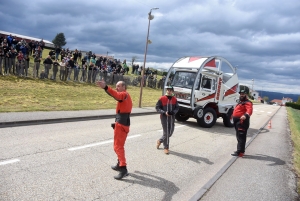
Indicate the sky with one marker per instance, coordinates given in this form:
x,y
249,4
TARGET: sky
x,y
261,38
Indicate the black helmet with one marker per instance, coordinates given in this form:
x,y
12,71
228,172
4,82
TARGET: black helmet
x,y
170,87
242,91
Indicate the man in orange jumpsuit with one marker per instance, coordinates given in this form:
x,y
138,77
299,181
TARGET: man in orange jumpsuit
x,y
241,118
121,125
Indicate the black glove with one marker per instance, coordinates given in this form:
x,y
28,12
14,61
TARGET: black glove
x,y
113,125
170,113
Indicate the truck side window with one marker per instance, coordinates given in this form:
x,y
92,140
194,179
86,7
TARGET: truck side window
x,y
206,83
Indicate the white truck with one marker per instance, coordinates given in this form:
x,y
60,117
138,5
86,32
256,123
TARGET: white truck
x,y
206,89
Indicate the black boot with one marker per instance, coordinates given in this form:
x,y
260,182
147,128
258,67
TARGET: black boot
x,y
116,167
238,153
123,173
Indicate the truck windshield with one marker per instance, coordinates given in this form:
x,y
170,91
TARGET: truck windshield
x,y
185,79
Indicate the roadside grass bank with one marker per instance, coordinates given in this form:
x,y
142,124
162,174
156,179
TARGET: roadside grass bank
x,y
27,94
294,122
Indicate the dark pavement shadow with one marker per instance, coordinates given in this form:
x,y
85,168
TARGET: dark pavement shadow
x,y
274,161
153,181
196,159
223,131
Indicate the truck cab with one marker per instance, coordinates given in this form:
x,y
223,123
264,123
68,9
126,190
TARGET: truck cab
x,y
206,88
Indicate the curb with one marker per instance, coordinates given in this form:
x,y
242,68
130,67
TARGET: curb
x,y
64,120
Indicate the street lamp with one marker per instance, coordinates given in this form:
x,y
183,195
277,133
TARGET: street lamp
x,y
252,85
150,17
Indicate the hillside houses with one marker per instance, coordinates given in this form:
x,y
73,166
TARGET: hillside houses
x,y
281,102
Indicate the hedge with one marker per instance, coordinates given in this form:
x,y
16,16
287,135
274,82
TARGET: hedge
x,y
293,105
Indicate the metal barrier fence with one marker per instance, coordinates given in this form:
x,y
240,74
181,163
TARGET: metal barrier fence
x,y
132,81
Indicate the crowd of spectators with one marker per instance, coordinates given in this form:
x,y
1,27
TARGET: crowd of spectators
x,y
66,65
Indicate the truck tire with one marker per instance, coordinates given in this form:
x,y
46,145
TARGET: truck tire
x,y
181,117
198,113
208,118
227,119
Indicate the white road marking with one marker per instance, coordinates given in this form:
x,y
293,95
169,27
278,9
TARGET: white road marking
x,y
9,161
269,112
98,143
262,111
175,127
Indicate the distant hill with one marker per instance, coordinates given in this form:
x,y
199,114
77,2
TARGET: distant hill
x,y
276,95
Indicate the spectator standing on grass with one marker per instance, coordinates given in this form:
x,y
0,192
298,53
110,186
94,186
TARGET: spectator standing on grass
x,y
26,66
87,59
62,54
24,50
57,52
90,72
18,47
76,71
38,51
31,45
47,65
19,67
75,55
1,60
36,66
8,62
52,54
55,69
14,42
42,45
70,66
83,61
98,62
79,56
92,60
62,70
14,54
83,73
95,73
9,40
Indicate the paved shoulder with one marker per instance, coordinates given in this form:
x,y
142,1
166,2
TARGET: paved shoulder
x,y
265,172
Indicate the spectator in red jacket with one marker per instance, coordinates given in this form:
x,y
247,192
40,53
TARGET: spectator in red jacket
x,y
241,118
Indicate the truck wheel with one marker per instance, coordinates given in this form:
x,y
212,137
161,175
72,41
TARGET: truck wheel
x,y
208,118
181,117
198,113
227,119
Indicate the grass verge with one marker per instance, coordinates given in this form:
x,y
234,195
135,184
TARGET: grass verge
x,y
294,121
28,94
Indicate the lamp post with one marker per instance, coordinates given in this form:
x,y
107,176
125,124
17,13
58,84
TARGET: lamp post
x,y
150,17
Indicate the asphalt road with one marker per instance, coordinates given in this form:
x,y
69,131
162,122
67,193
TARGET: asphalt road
x,y
71,161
